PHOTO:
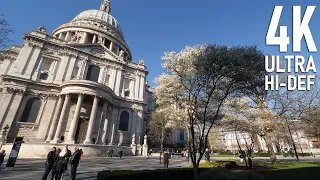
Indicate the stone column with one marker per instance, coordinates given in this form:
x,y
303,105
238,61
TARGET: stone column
x,y
112,134
91,121
142,87
133,145
94,39
136,87
35,74
75,119
119,82
55,119
85,37
101,75
68,37
111,46
105,125
60,36
61,119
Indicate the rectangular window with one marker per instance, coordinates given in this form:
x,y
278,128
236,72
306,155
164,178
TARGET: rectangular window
x,y
106,82
47,68
93,73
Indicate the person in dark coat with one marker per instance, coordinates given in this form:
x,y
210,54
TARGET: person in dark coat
x,y
2,155
74,161
51,158
120,153
68,156
166,157
207,155
60,165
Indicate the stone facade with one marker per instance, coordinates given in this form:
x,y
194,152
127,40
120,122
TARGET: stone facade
x,y
75,86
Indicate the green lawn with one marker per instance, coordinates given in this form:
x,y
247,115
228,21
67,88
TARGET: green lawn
x,y
294,171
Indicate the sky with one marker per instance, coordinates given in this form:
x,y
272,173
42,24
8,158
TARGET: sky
x,y
153,27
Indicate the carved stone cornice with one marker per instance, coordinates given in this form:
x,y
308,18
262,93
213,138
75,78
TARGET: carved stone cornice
x,y
136,108
15,90
42,95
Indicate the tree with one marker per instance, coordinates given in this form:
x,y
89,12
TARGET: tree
x,y
158,127
206,76
311,120
5,30
215,141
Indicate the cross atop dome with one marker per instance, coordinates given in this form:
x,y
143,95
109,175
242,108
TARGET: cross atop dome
x,y
105,6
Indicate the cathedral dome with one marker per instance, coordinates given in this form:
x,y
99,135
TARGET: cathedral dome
x,y
99,15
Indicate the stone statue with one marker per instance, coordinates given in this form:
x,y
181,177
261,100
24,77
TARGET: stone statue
x,y
145,140
141,62
133,139
121,53
42,29
74,38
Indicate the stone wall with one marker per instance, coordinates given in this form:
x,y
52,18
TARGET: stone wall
x,y
41,150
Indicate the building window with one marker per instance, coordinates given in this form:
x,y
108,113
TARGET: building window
x,y
181,136
31,110
44,76
107,79
47,68
126,87
93,73
124,121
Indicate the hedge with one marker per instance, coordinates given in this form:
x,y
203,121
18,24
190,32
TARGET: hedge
x,y
160,174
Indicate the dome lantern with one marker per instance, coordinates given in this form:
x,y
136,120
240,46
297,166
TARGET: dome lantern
x,y
105,6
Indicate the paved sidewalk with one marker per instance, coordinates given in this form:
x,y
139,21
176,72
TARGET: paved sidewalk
x,y
33,169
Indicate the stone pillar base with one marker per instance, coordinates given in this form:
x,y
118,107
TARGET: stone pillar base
x,y
134,149
69,142
139,149
55,141
145,150
87,142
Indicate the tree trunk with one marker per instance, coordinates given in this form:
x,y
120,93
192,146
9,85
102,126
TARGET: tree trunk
x,y
196,173
293,144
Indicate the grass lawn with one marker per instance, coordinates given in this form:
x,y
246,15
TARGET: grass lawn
x,y
294,171
280,171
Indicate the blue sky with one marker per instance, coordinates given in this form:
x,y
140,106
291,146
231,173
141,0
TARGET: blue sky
x,y
153,27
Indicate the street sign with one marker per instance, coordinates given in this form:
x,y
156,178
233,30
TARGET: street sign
x,y
15,151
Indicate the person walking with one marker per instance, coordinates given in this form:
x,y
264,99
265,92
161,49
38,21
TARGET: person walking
x,y
68,156
120,153
51,158
74,161
150,153
2,155
166,159
207,154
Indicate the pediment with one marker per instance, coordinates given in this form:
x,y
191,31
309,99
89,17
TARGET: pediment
x,y
96,50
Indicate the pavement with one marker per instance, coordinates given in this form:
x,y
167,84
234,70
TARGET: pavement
x,y
33,169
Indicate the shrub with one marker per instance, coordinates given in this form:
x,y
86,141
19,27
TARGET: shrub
x,y
221,164
225,174
160,174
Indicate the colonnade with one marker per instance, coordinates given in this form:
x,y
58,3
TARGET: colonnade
x,y
59,117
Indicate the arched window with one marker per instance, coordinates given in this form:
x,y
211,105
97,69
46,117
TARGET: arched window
x,y
31,110
124,121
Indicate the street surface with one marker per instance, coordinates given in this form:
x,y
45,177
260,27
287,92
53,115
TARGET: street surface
x,y
32,169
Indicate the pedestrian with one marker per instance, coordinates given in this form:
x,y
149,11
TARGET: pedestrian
x,y
81,155
74,161
68,156
166,159
59,166
111,152
2,155
187,156
120,153
51,158
207,154
150,152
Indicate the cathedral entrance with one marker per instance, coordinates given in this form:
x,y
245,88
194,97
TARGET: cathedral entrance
x,y
81,130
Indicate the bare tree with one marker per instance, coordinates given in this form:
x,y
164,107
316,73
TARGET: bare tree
x,y
5,30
